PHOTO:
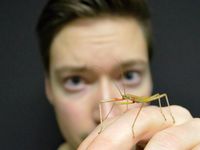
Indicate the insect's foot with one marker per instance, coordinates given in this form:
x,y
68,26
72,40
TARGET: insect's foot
x,y
133,133
174,120
100,131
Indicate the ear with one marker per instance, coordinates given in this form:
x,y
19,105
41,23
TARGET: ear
x,y
48,90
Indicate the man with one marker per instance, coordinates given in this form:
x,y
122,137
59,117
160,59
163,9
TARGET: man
x,y
87,46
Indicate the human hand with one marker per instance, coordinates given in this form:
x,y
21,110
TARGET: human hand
x,y
152,132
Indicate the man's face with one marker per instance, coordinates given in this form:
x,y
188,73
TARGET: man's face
x,y
89,58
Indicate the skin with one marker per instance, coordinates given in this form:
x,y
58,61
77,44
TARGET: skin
x,y
85,61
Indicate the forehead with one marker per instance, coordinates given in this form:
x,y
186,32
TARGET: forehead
x,y
99,41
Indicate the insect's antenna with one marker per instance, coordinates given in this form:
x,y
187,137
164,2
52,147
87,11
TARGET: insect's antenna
x,y
124,89
118,88
121,73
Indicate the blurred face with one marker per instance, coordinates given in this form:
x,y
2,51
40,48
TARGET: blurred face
x,y
89,57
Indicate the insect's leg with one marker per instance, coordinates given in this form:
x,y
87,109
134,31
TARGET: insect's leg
x,y
127,105
101,117
101,120
124,90
136,119
109,111
160,106
126,100
167,100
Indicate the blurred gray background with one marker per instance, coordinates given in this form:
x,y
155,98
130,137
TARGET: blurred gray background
x,y
27,121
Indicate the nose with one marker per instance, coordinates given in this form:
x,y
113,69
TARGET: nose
x,y
108,108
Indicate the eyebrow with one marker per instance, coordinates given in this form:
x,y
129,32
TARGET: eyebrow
x,y
85,68
74,69
132,63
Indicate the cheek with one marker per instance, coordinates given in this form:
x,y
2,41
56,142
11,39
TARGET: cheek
x,y
74,116
74,111
71,112
70,117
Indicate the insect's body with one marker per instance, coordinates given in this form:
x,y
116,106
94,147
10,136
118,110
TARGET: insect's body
x,y
127,99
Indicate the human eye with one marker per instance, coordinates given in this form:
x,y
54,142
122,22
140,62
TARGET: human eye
x,y
73,83
131,78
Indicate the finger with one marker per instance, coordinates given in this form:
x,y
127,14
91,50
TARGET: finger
x,y
84,145
181,137
197,147
150,120
119,129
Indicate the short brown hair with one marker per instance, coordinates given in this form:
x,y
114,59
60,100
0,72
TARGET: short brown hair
x,y
57,13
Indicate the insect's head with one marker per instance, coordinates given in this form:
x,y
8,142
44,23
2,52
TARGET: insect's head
x,y
125,96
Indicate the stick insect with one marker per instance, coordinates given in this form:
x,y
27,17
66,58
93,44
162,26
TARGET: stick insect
x,y
127,99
